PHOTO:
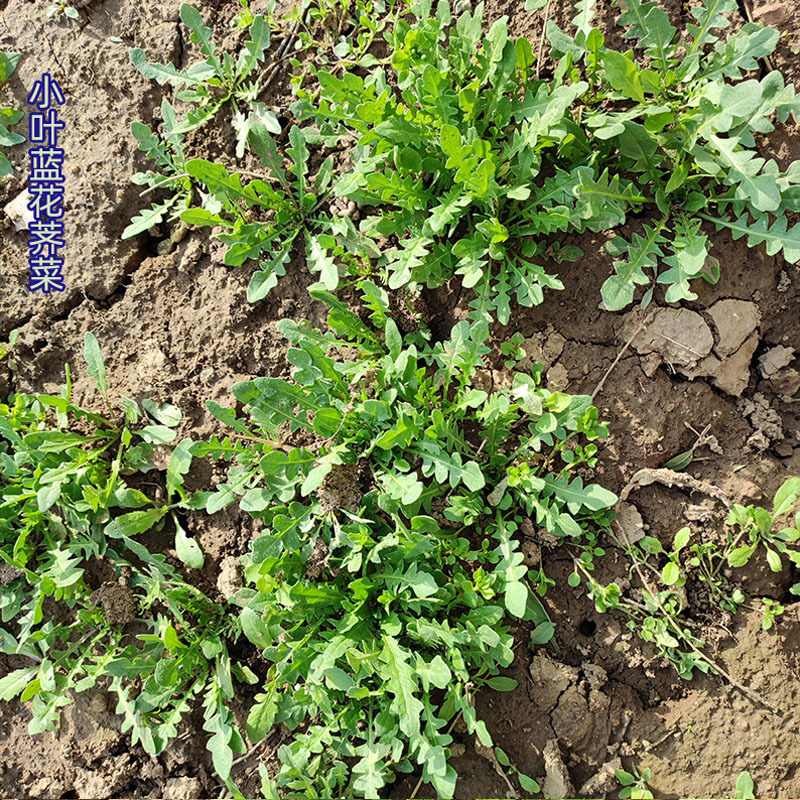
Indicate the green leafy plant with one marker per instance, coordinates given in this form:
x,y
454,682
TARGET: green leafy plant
x,y
447,160
293,208
688,134
513,350
658,617
655,616
217,79
209,84
753,530
168,153
749,530
655,619
339,33
771,609
393,495
471,163
6,349
526,782
70,517
634,784
8,116
62,8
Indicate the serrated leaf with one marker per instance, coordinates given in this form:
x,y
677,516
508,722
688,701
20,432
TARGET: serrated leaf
x,y
709,14
320,261
165,73
403,262
651,26
623,75
134,523
576,495
265,279
261,718
402,685
254,47
743,170
641,253
776,236
147,219
15,682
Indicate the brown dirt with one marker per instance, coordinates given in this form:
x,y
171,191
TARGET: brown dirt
x,y
177,328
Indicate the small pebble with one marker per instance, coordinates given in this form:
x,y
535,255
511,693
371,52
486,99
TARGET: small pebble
x,y
99,704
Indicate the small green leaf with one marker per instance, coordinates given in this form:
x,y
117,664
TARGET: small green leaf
x,y
47,496
165,413
188,549
501,757
543,633
134,523
786,497
254,629
516,598
528,784
744,787
394,341
680,461
681,539
625,778
261,719
94,362
179,464
623,75
671,573
8,63
16,681
774,560
740,555
502,683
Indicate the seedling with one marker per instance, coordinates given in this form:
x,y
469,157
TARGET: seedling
x,y
756,525
658,617
6,348
339,33
771,610
744,786
168,154
513,350
526,782
63,8
634,784
216,79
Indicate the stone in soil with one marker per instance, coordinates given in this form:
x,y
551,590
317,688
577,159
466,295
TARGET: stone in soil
x,y
682,339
